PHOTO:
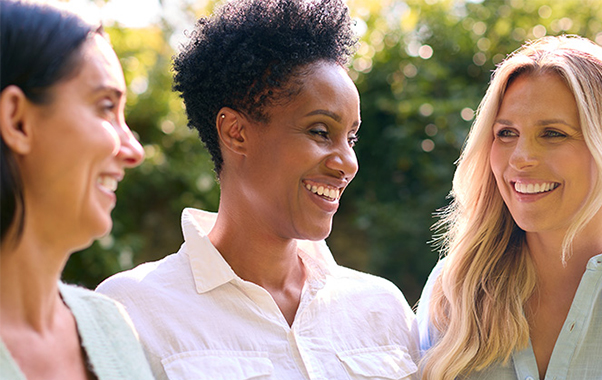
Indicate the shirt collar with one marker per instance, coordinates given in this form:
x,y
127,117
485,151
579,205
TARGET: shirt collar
x,y
595,263
209,268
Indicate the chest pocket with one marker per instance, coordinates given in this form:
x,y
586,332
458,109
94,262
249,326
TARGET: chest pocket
x,y
388,362
218,365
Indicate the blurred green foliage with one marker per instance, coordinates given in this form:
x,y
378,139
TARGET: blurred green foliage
x,y
421,68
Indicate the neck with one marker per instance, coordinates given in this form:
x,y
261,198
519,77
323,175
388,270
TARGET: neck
x,y
256,256
254,250
546,250
29,276
557,284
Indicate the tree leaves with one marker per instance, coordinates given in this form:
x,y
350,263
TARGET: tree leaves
x,y
422,67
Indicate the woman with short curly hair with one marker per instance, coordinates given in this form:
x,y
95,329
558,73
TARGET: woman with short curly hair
x,y
254,292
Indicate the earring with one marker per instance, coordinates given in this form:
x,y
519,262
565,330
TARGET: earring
x,y
223,116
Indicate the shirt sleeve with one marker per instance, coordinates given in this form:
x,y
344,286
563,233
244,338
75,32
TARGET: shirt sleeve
x,y
428,333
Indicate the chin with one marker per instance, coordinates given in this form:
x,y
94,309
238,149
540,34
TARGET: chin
x,y
534,225
315,233
105,231
83,245
101,228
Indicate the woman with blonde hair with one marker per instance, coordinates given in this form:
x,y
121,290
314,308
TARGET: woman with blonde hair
x,y
519,293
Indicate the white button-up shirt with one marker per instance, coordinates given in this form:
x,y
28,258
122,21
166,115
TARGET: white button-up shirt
x,y
198,320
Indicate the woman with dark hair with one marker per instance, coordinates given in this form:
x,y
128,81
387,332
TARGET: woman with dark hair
x,y
254,292
65,146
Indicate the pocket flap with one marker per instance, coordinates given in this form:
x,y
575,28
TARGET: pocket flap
x,y
388,362
217,365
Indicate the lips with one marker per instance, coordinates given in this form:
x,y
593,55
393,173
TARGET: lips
x,y
535,188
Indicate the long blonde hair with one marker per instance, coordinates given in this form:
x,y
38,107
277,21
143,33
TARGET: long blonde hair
x,y
478,300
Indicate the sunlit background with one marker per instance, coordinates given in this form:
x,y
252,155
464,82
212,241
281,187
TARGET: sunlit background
x,y
421,67
132,13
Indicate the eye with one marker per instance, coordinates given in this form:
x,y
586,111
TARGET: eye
x,y
107,108
551,133
505,133
321,132
352,140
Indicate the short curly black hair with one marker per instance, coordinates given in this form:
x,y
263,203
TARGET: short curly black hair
x,y
246,55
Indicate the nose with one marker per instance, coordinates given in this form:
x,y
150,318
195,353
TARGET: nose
x,y
130,150
344,161
525,154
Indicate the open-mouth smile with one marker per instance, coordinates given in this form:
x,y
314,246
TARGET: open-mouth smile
x,y
107,182
327,192
535,188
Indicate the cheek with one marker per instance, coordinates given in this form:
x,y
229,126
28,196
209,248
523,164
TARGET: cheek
x,y
497,161
354,162
590,177
595,175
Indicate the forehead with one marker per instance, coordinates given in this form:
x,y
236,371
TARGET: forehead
x,y
331,77
538,92
327,85
99,68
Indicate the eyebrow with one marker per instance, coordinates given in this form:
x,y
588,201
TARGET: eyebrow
x,y
336,117
543,123
555,121
113,90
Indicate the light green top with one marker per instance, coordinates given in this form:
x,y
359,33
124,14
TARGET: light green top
x,y
106,334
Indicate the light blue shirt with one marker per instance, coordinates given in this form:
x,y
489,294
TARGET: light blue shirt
x,y
578,350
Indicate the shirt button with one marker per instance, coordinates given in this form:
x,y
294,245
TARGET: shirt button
x,y
572,327
529,378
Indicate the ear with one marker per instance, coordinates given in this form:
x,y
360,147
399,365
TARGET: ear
x,y
15,130
232,130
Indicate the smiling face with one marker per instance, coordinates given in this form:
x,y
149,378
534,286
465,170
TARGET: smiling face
x,y
300,162
80,147
542,165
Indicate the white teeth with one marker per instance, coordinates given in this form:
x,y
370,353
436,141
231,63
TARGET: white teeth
x,y
534,188
107,182
332,194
